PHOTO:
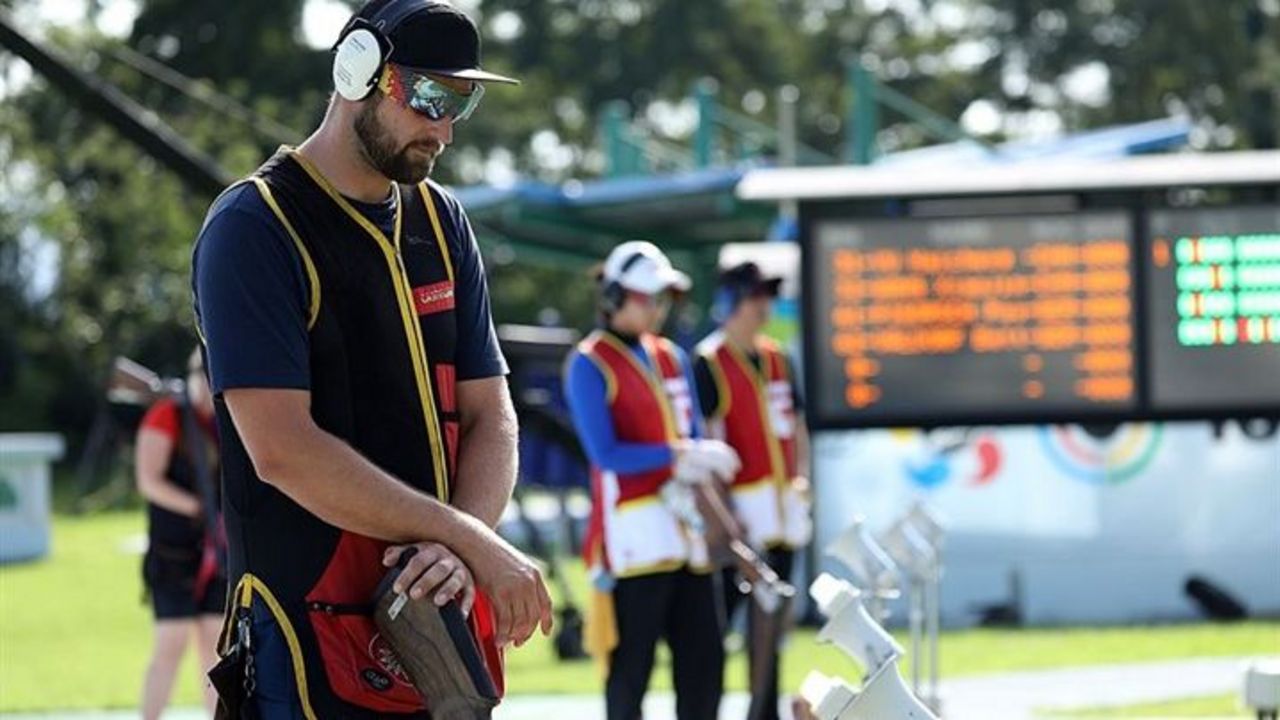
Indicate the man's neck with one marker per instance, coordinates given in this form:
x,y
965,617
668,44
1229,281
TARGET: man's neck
x,y
336,156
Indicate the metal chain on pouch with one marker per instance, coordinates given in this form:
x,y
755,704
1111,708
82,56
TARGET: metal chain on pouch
x,y
250,672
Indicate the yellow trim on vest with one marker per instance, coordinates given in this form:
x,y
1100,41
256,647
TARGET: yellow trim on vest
x,y
404,297
651,376
313,279
200,333
435,225
433,430
776,458
724,397
610,380
668,412
636,503
245,589
650,569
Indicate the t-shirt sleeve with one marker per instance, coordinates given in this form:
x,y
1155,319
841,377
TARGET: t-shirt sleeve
x,y
163,418
251,297
478,352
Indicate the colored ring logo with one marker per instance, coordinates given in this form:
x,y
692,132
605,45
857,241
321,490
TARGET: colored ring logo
x,y
1110,460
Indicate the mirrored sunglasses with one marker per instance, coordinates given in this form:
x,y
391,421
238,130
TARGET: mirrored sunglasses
x,y
428,97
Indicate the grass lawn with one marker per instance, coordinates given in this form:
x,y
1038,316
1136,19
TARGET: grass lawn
x,y
74,634
73,630
1215,706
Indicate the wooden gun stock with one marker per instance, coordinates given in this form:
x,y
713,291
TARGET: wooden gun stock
x,y
437,651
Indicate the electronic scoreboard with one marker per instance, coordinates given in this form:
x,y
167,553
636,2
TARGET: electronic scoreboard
x,y
1213,308
1093,315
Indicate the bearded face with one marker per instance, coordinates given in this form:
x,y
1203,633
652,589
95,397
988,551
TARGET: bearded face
x,y
407,161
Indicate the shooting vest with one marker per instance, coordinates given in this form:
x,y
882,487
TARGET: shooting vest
x,y
630,531
382,332
759,417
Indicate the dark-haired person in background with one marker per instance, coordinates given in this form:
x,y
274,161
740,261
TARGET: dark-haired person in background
x,y
187,594
749,397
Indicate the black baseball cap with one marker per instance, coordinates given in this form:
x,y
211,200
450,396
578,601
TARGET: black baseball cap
x,y
746,280
434,38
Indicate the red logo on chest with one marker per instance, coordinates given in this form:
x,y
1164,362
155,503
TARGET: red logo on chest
x,y
431,299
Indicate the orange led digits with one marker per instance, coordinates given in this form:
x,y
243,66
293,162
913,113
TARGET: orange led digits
x,y
1050,318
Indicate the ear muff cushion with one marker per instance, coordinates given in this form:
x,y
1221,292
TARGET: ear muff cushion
x,y
356,64
364,47
611,296
725,302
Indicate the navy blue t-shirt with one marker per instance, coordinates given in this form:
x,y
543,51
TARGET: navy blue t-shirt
x,y
251,296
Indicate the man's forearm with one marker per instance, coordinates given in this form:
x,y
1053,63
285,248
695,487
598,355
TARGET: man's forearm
x,y
335,483
487,463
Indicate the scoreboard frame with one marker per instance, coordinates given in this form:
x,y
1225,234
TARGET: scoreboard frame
x,y
1135,202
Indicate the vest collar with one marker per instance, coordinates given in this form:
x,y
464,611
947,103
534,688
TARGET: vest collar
x,y
627,339
342,202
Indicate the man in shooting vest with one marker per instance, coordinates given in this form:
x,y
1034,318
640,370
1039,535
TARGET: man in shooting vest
x,y
631,395
748,394
360,392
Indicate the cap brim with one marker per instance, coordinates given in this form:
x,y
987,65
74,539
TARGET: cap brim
x,y
474,74
677,280
769,287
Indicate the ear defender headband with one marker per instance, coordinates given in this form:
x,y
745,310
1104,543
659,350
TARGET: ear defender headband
x,y
725,302
363,48
613,295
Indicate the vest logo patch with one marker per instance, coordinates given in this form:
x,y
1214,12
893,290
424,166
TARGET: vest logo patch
x,y
431,299
376,680
389,665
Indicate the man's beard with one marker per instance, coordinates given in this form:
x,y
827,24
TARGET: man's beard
x,y
409,165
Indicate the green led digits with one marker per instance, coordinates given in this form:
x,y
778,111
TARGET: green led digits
x,y
1228,289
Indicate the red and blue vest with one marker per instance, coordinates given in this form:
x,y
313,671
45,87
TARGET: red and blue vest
x,y
759,419
630,531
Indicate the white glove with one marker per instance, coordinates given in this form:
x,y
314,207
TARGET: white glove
x,y
688,470
680,500
699,461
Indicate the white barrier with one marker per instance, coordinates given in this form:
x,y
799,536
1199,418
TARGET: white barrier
x,y
25,494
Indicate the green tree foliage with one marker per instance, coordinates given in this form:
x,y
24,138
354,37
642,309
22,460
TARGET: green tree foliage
x,y
1218,62
121,226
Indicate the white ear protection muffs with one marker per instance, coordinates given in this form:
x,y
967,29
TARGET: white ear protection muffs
x,y
613,294
357,63
363,48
